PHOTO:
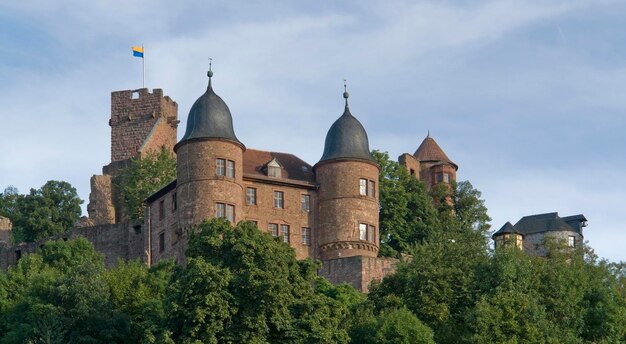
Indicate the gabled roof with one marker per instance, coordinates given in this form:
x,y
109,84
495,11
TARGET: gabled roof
x,y
548,222
292,167
430,151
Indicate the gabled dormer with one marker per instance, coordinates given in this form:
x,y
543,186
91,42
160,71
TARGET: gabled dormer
x,y
273,169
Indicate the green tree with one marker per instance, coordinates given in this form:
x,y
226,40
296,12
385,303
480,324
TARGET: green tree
x,y
391,325
53,302
49,210
407,215
243,285
144,177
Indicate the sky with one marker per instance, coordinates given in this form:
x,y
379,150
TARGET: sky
x,y
527,97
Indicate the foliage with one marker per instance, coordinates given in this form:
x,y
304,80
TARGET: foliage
x,y
392,325
49,210
407,215
242,285
144,177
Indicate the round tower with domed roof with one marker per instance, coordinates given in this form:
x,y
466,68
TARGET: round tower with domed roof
x,y
209,163
348,192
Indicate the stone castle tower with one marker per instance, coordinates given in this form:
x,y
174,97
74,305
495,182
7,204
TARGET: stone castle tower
x,y
347,160
209,163
141,122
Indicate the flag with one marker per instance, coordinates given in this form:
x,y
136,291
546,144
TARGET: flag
x,y
138,51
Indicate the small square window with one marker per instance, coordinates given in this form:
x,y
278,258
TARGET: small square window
x,y
306,236
279,199
284,232
362,231
250,196
273,229
363,187
220,169
230,169
305,202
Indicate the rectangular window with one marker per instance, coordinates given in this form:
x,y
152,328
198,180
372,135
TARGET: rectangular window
x,y
230,169
18,255
274,171
161,242
284,232
230,212
220,210
446,178
273,228
250,196
362,231
372,233
439,177
220,169
174,202
306,236
363,187
161,209
412,172
279,200
256,223
371,190
571,241
305,202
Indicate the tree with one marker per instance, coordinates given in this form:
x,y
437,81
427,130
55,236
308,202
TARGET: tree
x,y
144,177
407,215
242,285
49,210
392,325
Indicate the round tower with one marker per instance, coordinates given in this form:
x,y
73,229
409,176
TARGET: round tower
x,y
209,166
348,192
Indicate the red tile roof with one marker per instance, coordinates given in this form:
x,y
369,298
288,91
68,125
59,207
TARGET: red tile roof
x,y
293,168
429,150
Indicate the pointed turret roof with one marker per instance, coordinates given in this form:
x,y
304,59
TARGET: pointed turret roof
x,y
430,151
507,228
210,118
346,138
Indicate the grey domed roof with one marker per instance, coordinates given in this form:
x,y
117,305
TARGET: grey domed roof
x,y
209,117
346,138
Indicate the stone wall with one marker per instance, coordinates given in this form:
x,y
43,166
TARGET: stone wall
x,y
534,244
342,209
100,208
358,271
134,115
6,230
123,241
411,164
264,212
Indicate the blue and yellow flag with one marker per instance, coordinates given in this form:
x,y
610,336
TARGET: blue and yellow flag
x,y
138,51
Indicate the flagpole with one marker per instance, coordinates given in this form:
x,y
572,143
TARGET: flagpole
x,y
143,67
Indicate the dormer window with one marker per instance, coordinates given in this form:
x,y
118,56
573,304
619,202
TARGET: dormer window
x,y
274,169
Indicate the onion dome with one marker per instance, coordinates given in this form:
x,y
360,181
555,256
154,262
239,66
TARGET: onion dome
x,y
429,151
209,118
346,138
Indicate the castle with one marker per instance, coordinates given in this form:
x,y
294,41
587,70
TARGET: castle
x,y
328,211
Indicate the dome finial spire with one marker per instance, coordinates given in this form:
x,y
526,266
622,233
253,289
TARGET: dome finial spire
x,y
346,95
210,72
